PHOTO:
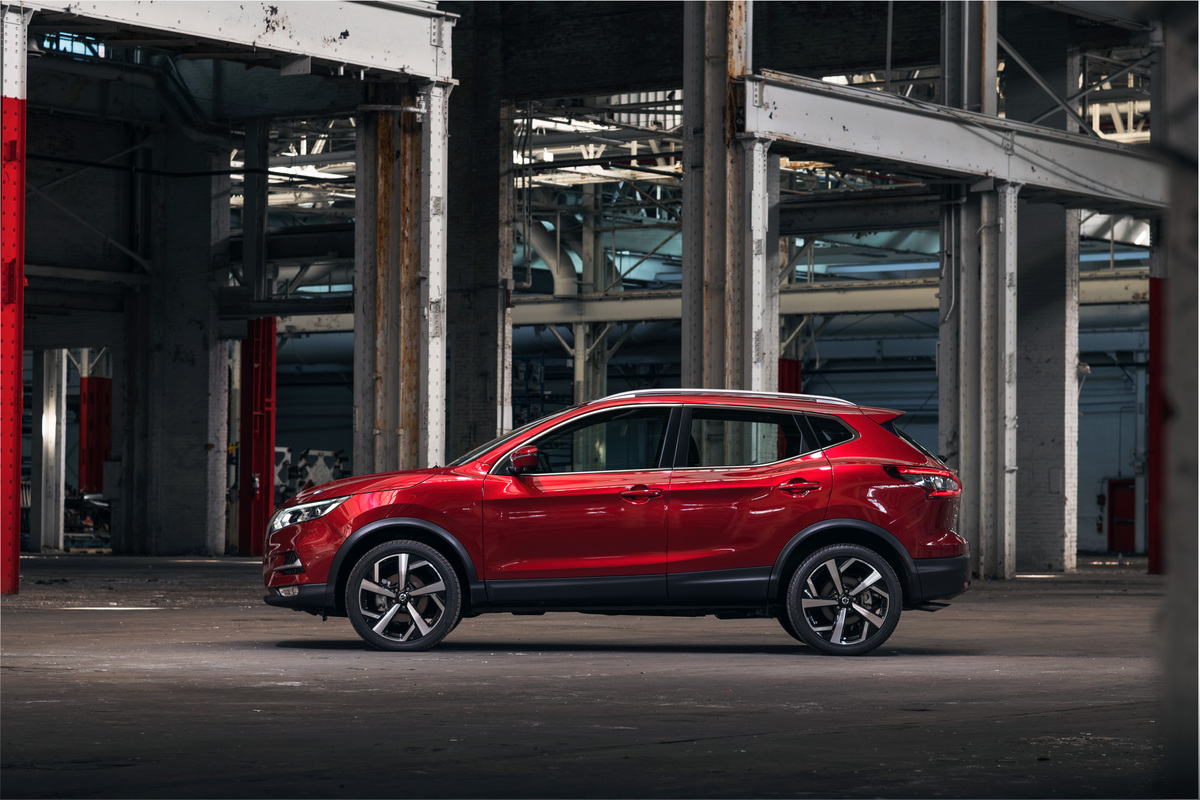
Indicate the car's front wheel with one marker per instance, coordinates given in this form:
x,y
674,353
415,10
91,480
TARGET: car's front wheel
x,y
403,595
844,600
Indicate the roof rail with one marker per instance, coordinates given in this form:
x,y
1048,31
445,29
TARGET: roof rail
x,y
731,393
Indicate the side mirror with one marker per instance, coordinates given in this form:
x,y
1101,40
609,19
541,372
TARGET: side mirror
x,y
523,460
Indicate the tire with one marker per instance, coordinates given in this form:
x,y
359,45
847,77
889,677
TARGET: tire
x,y
844,600
404,596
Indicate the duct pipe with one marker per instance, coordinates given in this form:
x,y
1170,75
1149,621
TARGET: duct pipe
x,y
556,256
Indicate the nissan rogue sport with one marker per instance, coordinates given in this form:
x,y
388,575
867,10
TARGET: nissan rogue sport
x,y
811,510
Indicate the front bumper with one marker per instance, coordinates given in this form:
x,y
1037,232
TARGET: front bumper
x,y
942,578
309,597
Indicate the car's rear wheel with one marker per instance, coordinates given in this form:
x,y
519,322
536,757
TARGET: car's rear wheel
x,y
403,595
844,600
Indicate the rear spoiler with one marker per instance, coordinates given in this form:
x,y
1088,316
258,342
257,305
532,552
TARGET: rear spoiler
x,y
881,415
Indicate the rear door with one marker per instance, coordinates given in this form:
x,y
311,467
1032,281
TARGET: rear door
x,y
746,481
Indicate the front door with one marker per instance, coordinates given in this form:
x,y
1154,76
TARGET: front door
x,y
589,526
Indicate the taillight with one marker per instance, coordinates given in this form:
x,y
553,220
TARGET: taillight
x,y
937,482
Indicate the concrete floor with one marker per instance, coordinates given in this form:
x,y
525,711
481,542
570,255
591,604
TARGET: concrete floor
x,y
142,677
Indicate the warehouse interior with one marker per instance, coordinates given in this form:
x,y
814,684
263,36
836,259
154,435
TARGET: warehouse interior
x,y
253,247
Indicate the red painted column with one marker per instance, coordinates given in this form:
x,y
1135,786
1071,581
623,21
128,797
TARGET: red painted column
x,y
1155,406
95,431
12,290
790,376
256,453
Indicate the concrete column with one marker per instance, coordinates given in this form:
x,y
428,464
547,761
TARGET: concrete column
x,y
958,353
49,449
1048,396
171,392
480,240
1179,650
969,222
1048,322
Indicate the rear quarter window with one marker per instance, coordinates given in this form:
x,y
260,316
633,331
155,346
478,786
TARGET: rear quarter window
x,y
829,431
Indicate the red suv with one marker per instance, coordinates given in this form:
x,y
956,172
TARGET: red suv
x,y
812,510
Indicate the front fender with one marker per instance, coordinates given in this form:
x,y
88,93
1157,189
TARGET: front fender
x,y
474,585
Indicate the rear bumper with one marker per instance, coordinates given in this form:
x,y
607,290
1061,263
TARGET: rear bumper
x,y
942,578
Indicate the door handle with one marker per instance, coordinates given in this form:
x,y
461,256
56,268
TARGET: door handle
x,y
640,493
798,487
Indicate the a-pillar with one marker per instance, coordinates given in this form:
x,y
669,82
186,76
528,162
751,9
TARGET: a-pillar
x,y
400,291
730,288
479,246
49,449
173,375
14,22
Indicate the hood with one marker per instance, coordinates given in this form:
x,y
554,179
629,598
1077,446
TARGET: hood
x,y
383,481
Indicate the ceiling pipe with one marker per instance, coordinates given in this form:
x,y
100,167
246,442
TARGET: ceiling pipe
x,y
556,256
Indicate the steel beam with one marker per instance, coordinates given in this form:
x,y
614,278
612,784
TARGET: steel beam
x,y
400,297
692,310
14,22
842,119
391,37
844,215
49,449
1098,288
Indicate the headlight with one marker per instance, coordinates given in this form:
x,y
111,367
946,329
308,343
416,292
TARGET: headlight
x,y
303,513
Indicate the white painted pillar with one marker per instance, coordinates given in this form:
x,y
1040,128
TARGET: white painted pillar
x,y
998,378
760,256
435,98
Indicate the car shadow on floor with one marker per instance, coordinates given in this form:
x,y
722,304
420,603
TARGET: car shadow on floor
x,y
597,646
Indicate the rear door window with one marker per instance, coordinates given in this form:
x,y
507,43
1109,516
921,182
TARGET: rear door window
x,y
726,437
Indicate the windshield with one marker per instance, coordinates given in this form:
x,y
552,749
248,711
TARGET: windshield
x,y
483,448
